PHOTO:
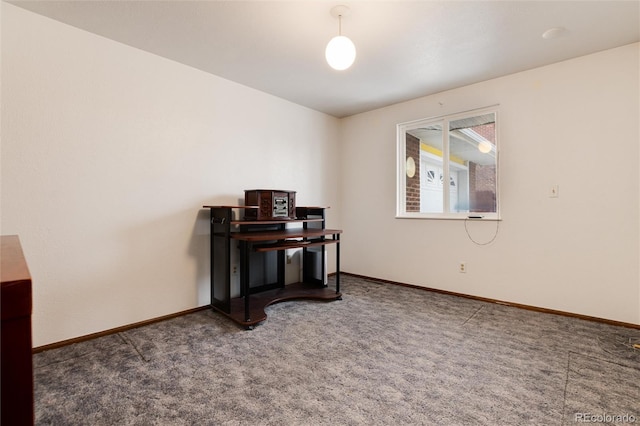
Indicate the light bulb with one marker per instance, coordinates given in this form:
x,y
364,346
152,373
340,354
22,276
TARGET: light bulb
x,y
340,53
484,147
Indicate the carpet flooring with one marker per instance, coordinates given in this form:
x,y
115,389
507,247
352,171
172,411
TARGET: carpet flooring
x,y
384,355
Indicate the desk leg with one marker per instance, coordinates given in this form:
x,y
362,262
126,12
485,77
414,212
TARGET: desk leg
x,y
337,237
245,250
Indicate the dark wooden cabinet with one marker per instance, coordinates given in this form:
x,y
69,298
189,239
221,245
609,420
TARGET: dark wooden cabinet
x,y
16,351
254,252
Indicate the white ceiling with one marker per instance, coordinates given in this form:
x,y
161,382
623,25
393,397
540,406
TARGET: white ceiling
x,y
406,49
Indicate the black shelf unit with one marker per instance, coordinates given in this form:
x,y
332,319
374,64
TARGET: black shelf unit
x,y
257,248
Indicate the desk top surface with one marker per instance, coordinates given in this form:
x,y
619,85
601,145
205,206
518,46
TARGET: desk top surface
x,y
283,234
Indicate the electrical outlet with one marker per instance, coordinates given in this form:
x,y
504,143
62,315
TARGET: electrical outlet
x,y
462,267
234,270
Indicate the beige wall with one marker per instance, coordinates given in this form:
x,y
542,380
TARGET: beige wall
x,y
574,124
108,153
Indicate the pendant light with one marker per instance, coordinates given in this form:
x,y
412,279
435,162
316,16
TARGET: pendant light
x,y
340,51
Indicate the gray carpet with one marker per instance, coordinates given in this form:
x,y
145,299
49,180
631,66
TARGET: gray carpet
x,y
384,355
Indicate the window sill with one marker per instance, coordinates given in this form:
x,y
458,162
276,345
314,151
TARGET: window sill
x,y
475,217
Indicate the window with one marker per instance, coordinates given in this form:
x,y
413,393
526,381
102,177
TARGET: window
x,y
448,167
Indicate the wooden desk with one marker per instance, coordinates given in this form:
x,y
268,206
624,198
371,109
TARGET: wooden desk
x,y
16,352
254,240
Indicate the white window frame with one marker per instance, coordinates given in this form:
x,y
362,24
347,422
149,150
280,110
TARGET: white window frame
x,y
444,120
